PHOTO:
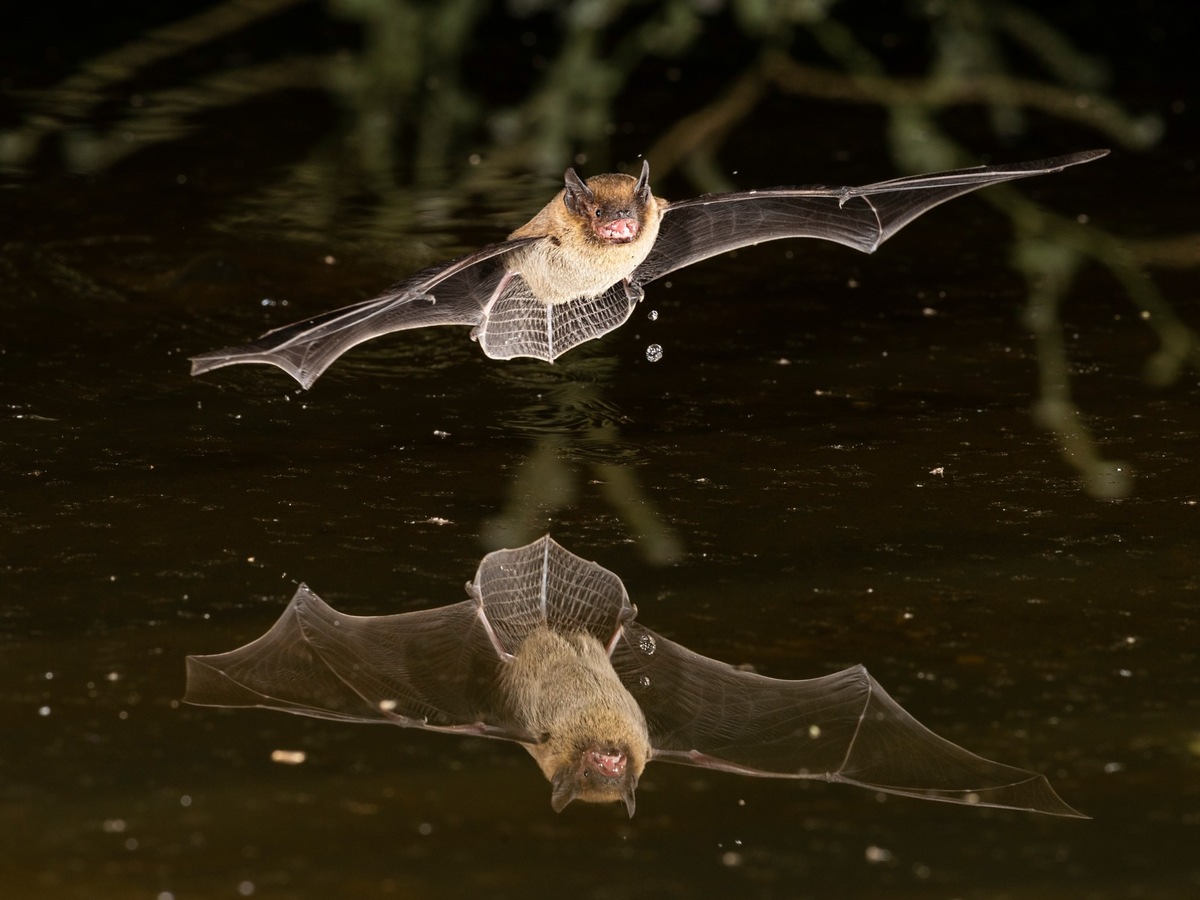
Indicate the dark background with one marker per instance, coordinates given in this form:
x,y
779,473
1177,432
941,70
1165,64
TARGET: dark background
x,y
766,491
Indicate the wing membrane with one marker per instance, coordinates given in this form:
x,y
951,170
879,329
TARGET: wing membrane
x,y
453,293
859,217
426,669
841,727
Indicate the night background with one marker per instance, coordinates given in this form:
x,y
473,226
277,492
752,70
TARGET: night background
x,y
968,461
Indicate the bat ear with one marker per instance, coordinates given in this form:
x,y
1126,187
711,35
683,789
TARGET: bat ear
x,y
642,188
628,797
564,789
578,196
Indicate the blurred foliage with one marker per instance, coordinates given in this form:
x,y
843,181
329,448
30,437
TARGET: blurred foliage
x,y
444,101
432,90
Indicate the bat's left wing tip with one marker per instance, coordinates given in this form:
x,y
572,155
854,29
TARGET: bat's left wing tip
x,y
218,359
1083,156
206,363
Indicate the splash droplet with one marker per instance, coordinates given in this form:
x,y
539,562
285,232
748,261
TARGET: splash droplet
x,y
652,315
644,681
654,352
646,644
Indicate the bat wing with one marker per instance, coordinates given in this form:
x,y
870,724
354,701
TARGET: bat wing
x,y
434,669
841,727
543,585
859,217
452,293
519,324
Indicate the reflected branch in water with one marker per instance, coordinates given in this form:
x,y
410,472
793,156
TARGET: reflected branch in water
x,y
693,140
970,70
576,444
1179,344
75,96
551,479
1050,263
1049,269
412,107
1093,110
1050,47
164,115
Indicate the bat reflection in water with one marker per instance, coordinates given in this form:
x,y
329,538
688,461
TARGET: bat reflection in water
x,y
577,269
547,652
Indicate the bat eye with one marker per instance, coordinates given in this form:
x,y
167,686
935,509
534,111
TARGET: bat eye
x,y
599,214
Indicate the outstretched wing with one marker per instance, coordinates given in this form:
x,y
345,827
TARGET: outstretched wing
x,y
451,293
840,727
434,669
859,217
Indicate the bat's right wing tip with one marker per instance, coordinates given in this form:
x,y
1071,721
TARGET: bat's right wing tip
x,y
206,363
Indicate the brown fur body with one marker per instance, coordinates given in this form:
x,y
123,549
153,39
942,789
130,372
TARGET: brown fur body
x,y
564,689
576,262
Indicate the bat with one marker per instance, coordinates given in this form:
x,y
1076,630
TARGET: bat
x,y
546,652
577,269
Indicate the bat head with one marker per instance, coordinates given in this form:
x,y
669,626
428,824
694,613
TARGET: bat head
x,y
612,207
600,774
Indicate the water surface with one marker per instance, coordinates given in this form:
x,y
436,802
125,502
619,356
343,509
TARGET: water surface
x,y
835,461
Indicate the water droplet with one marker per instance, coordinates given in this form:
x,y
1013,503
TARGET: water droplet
x,y
652,315
654,352
646,644
644,681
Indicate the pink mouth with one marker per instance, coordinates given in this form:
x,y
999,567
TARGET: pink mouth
x,y
610,765
619,231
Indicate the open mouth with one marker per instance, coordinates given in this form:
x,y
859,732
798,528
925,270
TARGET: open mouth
x,y
619,231
610,764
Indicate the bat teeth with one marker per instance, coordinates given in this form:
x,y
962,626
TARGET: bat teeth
x,y
610,763
621,230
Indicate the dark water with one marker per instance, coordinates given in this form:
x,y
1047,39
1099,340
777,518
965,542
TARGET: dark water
x,y
837,460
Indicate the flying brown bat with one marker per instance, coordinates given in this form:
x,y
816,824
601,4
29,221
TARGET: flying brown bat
x,y
546,652
577,269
